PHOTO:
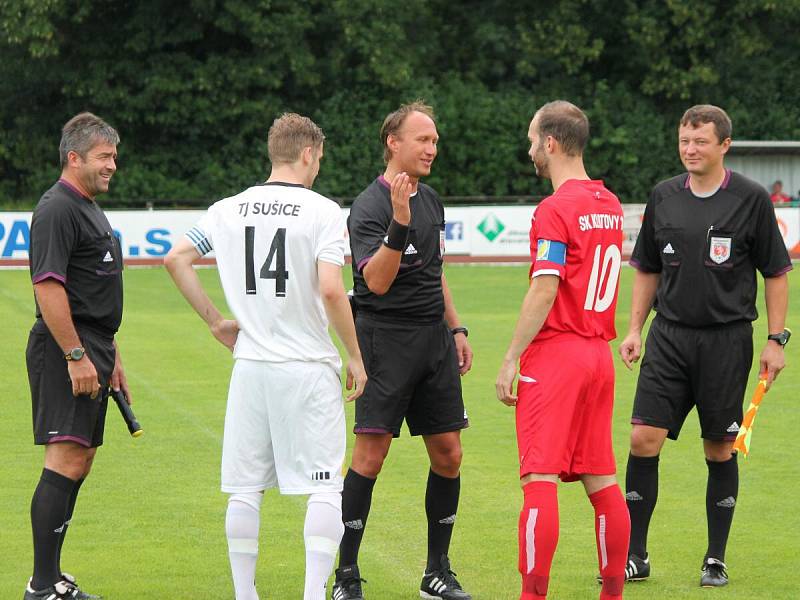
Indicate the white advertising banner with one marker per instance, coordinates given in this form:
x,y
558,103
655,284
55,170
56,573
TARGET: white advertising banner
x,y
15,235
483,232
497,230
789,224
143,234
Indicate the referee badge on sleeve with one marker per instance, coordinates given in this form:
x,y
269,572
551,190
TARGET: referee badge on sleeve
x,y
719,249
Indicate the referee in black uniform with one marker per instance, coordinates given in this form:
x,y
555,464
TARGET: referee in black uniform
x,y
76,269
705,234
413,345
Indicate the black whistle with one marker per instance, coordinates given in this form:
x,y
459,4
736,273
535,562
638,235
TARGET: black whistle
x,y
127,414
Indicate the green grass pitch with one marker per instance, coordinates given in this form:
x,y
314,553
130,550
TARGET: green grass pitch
x,y
150,521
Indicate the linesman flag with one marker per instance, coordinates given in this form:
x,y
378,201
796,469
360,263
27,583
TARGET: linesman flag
x,y
742,443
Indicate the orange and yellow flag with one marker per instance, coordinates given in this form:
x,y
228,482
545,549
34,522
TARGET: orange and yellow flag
x,y
742,443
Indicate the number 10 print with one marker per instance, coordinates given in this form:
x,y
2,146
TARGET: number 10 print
x,y
599,300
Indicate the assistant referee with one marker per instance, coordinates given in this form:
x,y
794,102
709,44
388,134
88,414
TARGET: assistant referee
x,y
72,358
705,234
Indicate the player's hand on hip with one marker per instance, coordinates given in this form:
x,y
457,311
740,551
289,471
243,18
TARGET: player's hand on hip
x,y
356,376
631,349
504,384
83,375
772,361
464,353
226,331
401,193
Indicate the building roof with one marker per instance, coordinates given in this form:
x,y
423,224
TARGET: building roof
x,y
765,147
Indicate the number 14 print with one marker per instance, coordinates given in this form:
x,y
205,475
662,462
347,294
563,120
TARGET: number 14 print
x,y
277,253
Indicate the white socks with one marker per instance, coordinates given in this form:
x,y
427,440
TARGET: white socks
x,y
241,528
322,532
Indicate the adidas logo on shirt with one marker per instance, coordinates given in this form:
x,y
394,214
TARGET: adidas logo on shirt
x,y
410,249
733,428
108,257
668,249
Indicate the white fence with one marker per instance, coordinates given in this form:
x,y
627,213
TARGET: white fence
x,y
472,232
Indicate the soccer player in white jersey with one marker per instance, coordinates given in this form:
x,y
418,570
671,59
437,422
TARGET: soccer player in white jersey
x,y
280,250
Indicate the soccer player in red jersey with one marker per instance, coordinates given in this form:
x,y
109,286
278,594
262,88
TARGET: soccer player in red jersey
x,y
565,392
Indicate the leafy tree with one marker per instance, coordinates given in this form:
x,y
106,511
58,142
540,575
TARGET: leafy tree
x,y
193,86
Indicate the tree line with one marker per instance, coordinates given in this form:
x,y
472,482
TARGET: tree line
x,y
193,86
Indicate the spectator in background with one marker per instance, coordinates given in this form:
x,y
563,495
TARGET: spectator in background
x,y
777,196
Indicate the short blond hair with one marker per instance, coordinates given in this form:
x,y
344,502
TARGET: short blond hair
x,y
394,121
289,134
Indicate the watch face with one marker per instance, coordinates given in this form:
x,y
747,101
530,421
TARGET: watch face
x,y
76,353
782,337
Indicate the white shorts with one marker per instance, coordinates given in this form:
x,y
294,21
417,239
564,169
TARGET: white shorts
x,y
284,427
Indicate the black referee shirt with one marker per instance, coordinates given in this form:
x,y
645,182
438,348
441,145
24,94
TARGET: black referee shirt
x,y
707,250
72,242
416,293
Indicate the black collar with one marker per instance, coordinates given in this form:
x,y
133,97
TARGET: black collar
x,y
299,185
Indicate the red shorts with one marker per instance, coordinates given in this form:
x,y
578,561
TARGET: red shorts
x,y
564,407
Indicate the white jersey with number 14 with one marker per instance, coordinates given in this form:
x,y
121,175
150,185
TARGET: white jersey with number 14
x,y
267,242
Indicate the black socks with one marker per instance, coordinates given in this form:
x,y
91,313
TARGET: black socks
x,y
356,501
49,507
441,504
721,493
70,509
641,487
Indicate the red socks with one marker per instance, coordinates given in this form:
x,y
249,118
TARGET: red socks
x,y
612,527
538,537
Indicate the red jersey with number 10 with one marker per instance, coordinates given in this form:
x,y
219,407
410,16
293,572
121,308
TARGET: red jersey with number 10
x,y
577,234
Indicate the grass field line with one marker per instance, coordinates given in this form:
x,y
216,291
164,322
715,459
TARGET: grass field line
x,y
156,393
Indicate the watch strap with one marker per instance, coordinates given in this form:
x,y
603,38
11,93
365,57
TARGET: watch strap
x,y
781,338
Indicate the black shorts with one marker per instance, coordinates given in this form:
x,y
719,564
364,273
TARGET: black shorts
x,y
413,375
687,366
57,414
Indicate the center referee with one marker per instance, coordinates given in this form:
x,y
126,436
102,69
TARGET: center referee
x,y
413,345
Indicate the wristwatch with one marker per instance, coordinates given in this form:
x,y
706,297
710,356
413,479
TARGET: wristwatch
x,y
463,330
781,338
75,354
